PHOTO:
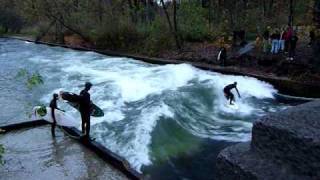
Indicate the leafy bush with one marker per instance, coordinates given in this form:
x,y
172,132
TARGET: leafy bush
x,y
193,25
2,30
10,21
35,80
157,37
32,80
42,111
1,154
118,36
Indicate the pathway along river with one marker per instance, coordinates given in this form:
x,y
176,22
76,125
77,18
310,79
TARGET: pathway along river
x,y
168,121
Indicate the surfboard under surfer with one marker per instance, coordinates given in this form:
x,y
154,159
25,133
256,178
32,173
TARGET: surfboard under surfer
x,y
228,94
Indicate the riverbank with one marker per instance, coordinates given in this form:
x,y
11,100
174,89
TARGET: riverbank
x,y
303,87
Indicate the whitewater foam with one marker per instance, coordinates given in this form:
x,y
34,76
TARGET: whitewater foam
x,y
123,87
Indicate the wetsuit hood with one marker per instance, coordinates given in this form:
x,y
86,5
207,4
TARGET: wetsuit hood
x,y
87,85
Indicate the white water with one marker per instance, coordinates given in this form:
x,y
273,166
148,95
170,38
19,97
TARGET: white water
x,y
122,87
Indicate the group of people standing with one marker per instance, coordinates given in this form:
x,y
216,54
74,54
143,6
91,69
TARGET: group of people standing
x,y
284,40
84,102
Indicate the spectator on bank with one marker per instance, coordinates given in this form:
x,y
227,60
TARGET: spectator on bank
x,y
259,42
265,42
282,40
312,36
287,37
292,46
239,36
275,37
222,56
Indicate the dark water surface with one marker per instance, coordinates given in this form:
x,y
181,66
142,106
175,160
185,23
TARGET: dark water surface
x,y
168,121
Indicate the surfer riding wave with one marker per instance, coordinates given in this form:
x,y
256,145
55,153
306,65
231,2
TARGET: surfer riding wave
x,y
228,94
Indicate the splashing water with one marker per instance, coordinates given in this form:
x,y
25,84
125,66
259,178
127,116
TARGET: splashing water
x,y
139,99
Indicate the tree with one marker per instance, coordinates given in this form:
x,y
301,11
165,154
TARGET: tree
x,y
316,45
10,20
173,28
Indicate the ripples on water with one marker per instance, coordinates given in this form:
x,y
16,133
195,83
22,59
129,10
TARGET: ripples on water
x,y
152,113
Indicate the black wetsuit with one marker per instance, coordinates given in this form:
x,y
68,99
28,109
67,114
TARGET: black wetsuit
x,y
292,46
228,93
85,111
53,106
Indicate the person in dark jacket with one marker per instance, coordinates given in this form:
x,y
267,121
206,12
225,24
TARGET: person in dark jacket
x,y
292,46
53,106
222,56
85,109
287,37
312,36
228,94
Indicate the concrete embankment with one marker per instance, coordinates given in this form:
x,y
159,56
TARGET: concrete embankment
x,y
32,153
284,145
283,84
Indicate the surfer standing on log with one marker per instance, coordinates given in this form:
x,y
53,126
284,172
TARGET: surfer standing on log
x,y
228,94
85,109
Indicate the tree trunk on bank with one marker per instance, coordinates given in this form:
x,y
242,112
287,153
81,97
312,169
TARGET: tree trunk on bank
x,y
131,12
316,44
43,33
178,42
100,11
172,29
61,21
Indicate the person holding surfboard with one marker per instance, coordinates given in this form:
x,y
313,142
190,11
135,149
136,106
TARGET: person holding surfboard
x,y
53,106
85,109
228,94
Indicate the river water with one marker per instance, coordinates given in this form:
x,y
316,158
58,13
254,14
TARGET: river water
x,y
168,121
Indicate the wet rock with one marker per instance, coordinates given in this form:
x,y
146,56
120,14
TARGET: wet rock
x,y
241,163
285,145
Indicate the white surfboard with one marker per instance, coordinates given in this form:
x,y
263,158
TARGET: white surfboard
x,y
62,118
234,106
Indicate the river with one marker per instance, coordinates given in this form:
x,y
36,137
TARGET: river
x,y
168,121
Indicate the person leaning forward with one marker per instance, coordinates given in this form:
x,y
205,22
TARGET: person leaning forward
x,y
53,107
228,94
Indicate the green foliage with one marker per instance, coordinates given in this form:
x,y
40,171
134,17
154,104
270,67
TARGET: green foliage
x,y
10,21
2,30
193,25
32,80
142,26
22,73
118,36
157,37
35,80
1,154
42,111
